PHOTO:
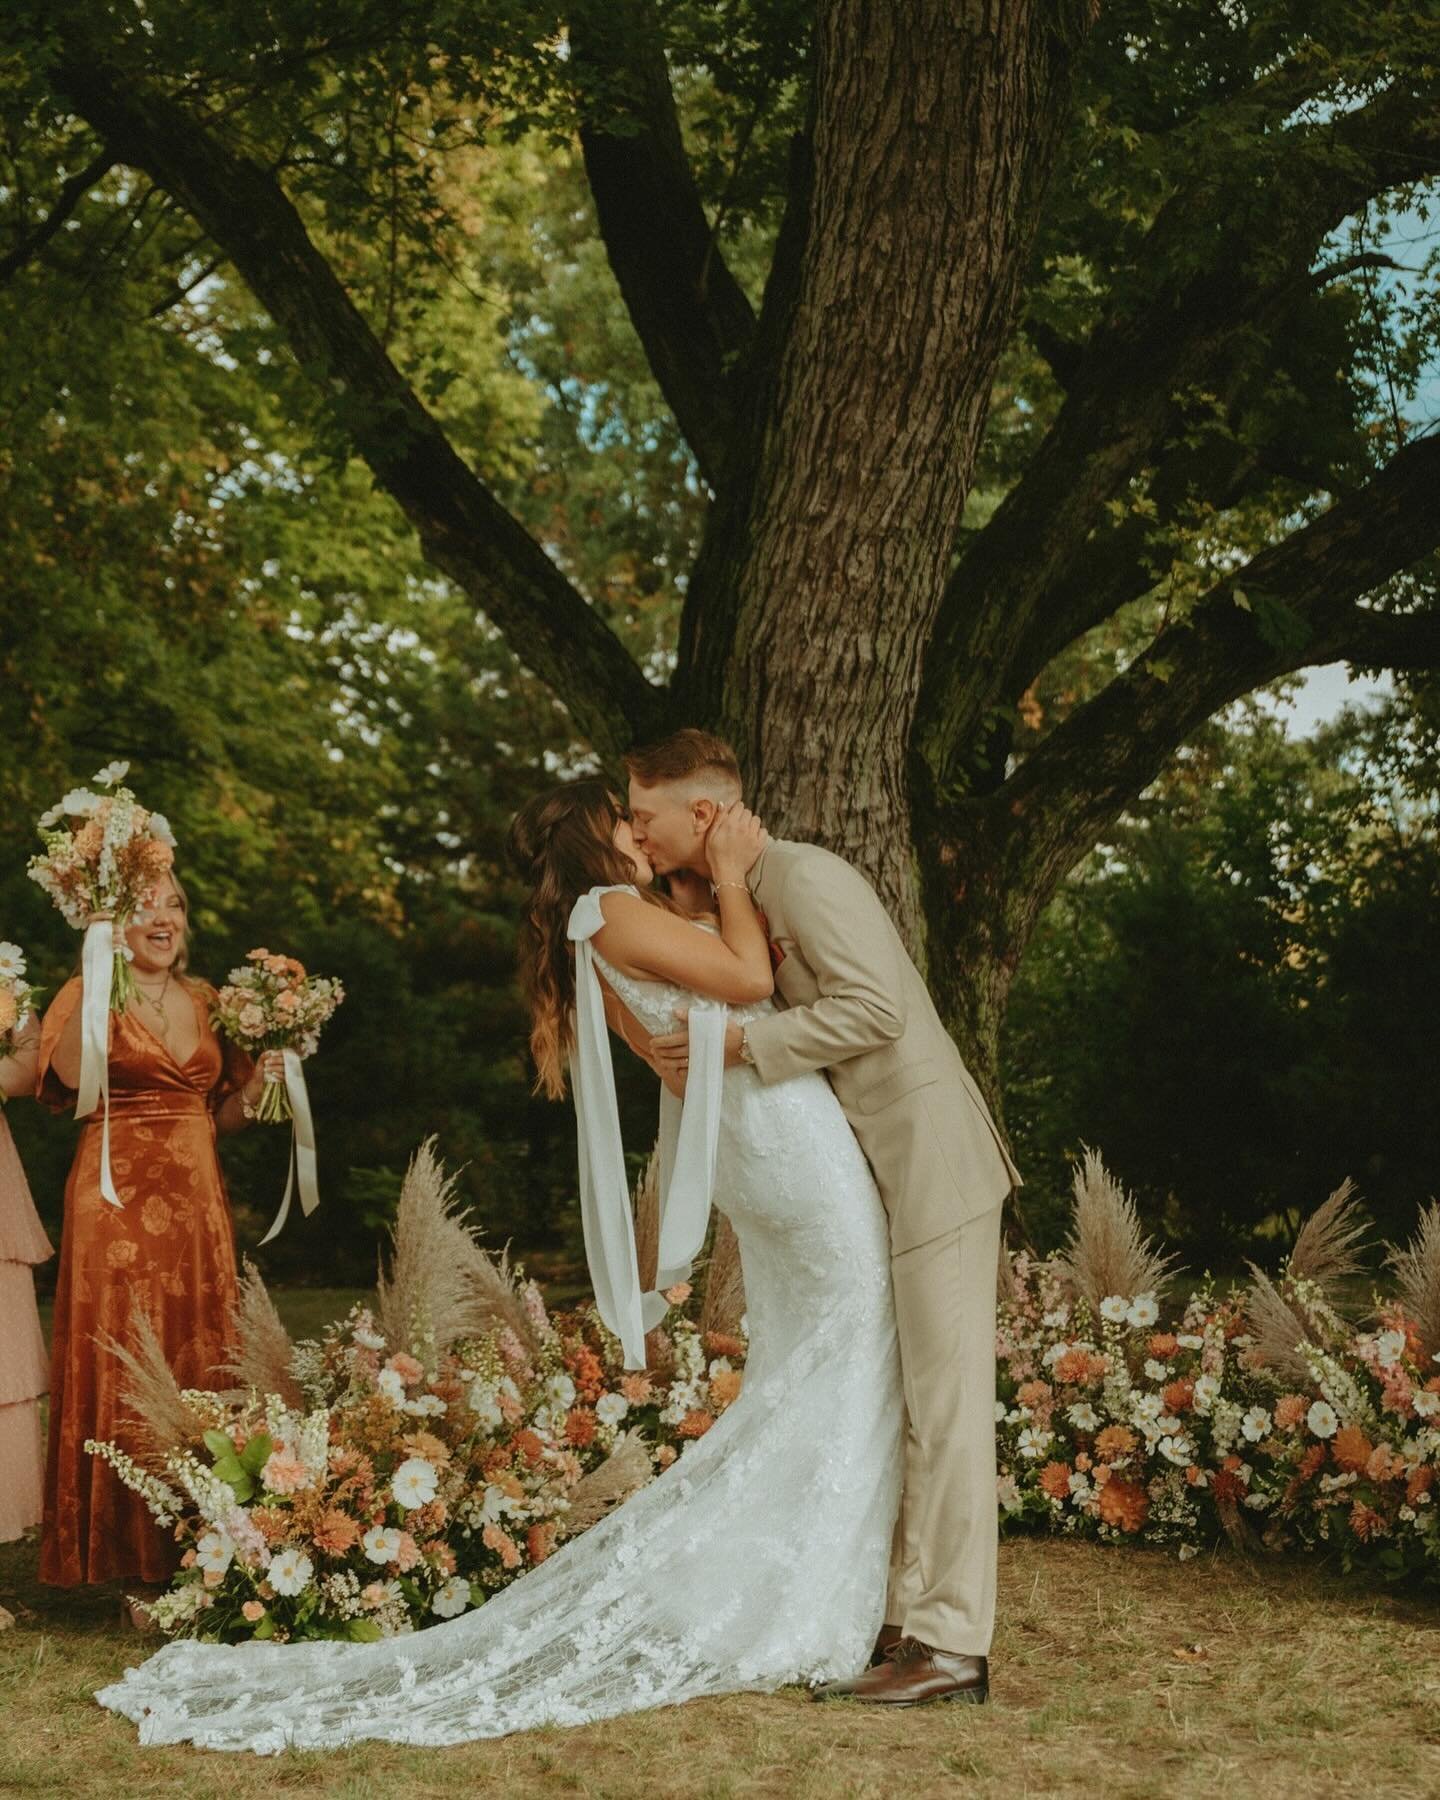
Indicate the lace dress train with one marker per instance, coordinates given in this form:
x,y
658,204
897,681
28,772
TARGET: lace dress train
x,y
758,1559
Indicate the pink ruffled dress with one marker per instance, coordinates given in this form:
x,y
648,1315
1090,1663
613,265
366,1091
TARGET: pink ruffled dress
x,y
24,1366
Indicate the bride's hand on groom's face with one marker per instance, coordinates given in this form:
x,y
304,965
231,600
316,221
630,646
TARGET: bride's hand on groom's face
x,y
734,842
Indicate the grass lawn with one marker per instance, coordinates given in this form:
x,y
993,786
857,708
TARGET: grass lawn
x,y
1116,1673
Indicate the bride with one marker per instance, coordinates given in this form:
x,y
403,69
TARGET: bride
x,y
757,1560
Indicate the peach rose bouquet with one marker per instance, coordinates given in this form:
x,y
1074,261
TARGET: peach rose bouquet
x,y
271,1003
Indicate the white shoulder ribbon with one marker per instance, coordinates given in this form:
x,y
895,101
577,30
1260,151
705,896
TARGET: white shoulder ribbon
x,y
689,1133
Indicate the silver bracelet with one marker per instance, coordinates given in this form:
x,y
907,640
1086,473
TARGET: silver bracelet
x,y
716,886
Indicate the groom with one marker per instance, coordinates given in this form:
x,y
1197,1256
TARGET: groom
x,y
855,1006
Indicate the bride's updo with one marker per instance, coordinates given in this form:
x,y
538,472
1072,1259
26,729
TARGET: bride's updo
x,y
563,844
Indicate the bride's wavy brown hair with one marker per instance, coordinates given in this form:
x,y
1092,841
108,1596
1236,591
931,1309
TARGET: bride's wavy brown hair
x,y
562,843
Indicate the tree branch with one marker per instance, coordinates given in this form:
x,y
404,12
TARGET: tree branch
x,y
463,529
71,194
1123,399
1385,640
1289,607
692,316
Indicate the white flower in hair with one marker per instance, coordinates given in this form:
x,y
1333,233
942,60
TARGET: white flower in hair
x,y
12,960
112,774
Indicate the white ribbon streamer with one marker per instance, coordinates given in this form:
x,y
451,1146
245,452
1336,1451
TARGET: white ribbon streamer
x,y
303,1167
97,970
689,1133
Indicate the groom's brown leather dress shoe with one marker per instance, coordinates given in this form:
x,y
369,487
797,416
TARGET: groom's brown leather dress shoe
x,y
915,1675
890,1636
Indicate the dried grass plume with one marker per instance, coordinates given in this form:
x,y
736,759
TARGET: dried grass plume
x,y
1304,1304
624,1472
150,1392
1107,1251
724,1304
1417,1277
442,1285
262,1353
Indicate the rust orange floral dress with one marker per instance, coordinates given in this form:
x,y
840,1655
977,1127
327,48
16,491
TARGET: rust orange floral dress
x,y
169,1250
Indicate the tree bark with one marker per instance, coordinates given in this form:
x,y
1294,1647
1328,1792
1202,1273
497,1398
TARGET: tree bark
x,y
935,127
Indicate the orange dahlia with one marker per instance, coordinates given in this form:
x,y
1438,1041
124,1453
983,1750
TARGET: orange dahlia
x,y
1115,1441
1124,1503
1055,1480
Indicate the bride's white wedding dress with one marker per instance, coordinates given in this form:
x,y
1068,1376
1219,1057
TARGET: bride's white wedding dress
x,y
758,1559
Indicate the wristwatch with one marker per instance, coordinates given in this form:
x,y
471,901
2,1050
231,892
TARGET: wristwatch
x,y
746,1054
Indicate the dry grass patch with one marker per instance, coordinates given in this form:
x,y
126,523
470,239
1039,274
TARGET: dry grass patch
x,y
1116,1672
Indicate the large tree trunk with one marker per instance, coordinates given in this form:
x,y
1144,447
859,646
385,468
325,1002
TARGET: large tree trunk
x,y
934,129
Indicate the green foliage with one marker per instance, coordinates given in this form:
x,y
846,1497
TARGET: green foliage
x,y
1232,999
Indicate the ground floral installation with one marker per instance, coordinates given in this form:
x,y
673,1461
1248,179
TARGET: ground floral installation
x,y
427,1450
1263,1415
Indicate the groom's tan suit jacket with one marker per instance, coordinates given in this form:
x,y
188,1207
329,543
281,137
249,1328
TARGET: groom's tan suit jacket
x,y
856,1007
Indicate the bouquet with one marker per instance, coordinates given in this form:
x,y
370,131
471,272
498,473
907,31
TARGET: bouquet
x,y
270,1003
17,998
103,853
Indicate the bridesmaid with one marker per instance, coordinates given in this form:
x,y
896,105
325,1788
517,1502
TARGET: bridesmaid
x,y
23,1376
167,1251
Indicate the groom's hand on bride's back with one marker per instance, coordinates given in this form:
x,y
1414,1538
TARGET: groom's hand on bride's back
x,y
670,1052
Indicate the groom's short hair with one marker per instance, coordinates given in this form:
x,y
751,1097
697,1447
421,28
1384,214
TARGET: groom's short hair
x,y
688,755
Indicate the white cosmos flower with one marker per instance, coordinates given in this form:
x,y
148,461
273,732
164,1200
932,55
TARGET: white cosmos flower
x,y
381,1544
1157,1371
391,1386
160,828
1083,1416
79,803
367,1338
1114,1308
12,960
414,1483
999,1412
1142,1310
1053,1320
51,816
1177,1450
1255,1424
1207,1391
485,1406
423,1406
290,1572
1425,1403
451,1599
1322,1419
112,774
1034,1442
561,1390
610,1409
1007,1492
214,1552
1187,1340
1149,1406
1389,1348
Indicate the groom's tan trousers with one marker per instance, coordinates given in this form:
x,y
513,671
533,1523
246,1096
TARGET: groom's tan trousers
x,y
942,1564
855,1006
